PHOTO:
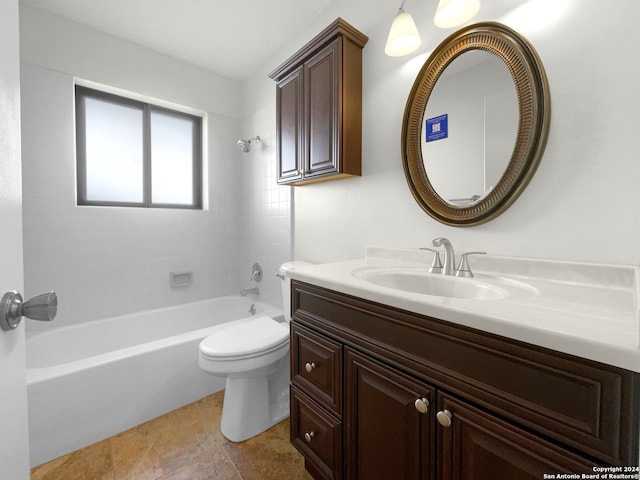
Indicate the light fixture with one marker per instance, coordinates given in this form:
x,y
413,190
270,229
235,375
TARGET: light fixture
x,y
403,37
451,13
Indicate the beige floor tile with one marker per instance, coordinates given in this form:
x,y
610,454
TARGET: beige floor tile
x,y
93,462
151,450
185,444
213,404
268,456
211,465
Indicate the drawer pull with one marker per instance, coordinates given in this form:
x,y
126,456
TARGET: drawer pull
x,y
444,418
422,405
309,436
309,366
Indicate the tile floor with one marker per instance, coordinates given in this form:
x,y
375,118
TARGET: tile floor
x,y
185,444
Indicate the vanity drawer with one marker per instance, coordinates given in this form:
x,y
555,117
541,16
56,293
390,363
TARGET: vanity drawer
x,y
316,367
317,435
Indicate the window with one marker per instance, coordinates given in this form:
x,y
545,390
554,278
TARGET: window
x,y
131,153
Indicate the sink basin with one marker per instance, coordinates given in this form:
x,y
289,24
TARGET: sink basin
x,y
419,280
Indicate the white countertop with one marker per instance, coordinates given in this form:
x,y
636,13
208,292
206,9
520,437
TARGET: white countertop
x,y
587,310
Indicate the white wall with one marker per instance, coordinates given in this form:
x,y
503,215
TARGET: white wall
x,y
105,261
54,42
582,203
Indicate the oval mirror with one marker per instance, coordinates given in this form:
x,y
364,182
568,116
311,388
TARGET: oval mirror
x,y
475,124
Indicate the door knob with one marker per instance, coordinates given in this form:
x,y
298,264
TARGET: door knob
x,y
310,366
42,307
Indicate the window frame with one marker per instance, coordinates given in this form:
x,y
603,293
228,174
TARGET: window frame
x,y
82,92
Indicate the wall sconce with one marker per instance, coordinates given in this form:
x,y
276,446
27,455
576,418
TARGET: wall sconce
x,y
403,37
451,13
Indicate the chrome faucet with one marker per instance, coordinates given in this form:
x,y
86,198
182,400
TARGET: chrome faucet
x,y
436,266
449,266
463,269
253,291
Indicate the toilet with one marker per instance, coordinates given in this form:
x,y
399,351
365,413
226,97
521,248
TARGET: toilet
x,y
253,355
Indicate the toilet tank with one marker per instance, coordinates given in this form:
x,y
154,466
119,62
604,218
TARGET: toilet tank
x,y
285,282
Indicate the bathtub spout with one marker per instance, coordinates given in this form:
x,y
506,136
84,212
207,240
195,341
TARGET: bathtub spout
x,y
252,291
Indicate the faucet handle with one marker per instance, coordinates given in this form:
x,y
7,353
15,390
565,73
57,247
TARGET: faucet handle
x,y
256,272
463,269
436,266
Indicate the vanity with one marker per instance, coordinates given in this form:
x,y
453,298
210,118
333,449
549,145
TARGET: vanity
x,y
529,369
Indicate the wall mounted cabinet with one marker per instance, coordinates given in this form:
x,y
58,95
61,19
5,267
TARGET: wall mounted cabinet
x,y
381,393
319,108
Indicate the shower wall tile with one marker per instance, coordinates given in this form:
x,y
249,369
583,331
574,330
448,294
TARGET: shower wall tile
x,y
266,226
105,261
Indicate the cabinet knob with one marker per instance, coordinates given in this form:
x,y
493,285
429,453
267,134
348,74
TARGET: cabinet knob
x,y
444,418
309,366
422,405
308,436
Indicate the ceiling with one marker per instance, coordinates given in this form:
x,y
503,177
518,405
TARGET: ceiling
x,y
231,37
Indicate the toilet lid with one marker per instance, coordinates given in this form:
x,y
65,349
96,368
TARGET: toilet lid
x,y
245,338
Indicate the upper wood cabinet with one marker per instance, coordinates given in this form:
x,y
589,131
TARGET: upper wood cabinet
x,y
319,108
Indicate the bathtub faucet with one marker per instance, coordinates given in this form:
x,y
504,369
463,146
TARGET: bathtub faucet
x,y
252,291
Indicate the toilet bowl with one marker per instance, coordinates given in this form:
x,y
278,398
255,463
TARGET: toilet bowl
x,y
253,354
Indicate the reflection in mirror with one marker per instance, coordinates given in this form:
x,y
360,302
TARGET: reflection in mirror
x,y
472,118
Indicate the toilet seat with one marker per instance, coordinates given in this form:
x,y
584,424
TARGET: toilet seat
x,y
253,337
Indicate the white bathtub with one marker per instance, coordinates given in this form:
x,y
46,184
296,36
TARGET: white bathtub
x,y
89,381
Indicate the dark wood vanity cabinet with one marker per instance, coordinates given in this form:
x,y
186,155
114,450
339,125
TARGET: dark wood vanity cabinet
x,y
480,446
381,393
316,401
387,436
319,108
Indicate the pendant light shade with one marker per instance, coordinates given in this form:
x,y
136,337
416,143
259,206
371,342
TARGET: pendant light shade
x,y
403,36
451,13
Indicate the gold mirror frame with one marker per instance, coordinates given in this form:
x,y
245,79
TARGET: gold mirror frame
x,y
532,90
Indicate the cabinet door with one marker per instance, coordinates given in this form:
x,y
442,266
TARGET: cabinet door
x,y
387,437
322,96
478,446
290,114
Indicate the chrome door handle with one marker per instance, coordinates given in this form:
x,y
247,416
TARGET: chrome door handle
x,y
42,307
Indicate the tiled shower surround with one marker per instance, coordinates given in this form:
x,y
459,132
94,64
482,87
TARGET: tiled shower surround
x,y
106,261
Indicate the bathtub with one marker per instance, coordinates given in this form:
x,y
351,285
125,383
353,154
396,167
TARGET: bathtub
x,y
89,381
